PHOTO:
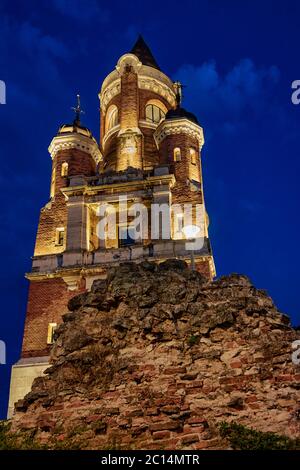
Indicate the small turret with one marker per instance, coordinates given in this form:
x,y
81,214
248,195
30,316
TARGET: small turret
x,y
180,138
74,151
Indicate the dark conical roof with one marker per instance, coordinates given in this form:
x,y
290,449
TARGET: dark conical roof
x,y
143,52
181,113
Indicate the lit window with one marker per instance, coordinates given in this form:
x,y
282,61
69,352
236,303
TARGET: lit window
x,y
64,169
112,118
51,329
60,236
154,113
52,190
193,156
177,154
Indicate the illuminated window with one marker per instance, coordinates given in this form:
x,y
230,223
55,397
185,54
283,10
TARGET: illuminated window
x,y
154,113
64,169
193,156
60,236
52,190
177,154
51,329
112,118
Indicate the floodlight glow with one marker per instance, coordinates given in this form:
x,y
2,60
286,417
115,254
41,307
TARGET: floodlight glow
x,y
190,231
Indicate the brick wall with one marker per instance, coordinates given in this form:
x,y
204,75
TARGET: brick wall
x,y
204,268
79,163
52,216
47,301
182,191
150,152
129,112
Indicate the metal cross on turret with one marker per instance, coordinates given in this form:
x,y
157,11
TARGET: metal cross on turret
x,y
77,110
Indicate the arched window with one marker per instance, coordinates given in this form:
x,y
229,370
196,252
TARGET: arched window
x,y
154,113
112,118
177,154
193,156
64,169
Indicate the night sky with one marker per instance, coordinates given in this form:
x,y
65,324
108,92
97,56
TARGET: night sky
x,y
237,60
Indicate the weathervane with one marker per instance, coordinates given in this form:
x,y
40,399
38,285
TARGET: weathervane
x,y
77,110
178,91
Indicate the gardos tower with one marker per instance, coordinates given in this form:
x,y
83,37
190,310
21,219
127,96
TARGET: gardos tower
x,y
149,154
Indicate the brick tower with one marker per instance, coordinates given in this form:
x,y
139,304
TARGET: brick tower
x,y
149,153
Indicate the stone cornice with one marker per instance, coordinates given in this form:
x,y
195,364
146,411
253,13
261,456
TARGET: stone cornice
x,y
157,86
65,272
76,141
84,271
178,126
119,187
148,79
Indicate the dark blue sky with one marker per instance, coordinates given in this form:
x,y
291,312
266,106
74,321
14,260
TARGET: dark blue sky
x,y
237,60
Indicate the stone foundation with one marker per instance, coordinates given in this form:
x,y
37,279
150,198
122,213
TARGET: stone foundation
x,y
23,374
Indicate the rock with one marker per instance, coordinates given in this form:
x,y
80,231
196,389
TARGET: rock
x,y
155,356
76,302
227,356
173,264
99,286
236,402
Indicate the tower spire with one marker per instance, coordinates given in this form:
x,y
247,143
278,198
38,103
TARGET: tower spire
x,y
143,52
77,110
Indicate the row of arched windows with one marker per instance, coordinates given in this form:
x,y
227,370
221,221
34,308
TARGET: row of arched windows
x,y
154,114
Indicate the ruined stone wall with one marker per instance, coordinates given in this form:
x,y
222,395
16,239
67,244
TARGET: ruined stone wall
x,y
156,356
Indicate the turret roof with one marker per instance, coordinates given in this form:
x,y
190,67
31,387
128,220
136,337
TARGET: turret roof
x,y
143,52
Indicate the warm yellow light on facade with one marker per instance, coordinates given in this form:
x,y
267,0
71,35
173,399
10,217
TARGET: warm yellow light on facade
x,y
177,154
64,169
52,190
60,236
50,335
193,156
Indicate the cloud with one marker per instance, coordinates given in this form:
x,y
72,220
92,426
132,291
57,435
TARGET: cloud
x,y
35,52
34,41
225,98
81,10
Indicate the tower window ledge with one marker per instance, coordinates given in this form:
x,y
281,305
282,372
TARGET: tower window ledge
x,y
149,124
108,134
